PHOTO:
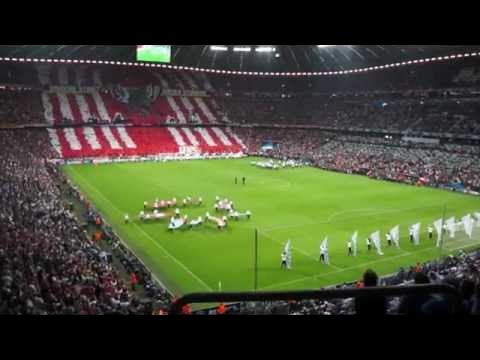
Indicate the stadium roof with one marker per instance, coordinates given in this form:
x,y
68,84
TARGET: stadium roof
x,y
278,58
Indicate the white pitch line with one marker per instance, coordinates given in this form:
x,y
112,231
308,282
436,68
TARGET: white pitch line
x,y
380,212
354,267
350,211
150,238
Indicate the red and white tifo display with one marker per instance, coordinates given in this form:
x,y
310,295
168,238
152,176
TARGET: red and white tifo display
x,y
115,141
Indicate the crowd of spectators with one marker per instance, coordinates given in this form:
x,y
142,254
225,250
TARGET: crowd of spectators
x,y
47,263
460,271
413,113
20,107
380,158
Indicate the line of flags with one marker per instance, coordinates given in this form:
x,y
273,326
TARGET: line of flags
x,y
466,224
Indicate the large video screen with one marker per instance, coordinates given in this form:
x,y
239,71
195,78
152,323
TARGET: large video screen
x,y
154,53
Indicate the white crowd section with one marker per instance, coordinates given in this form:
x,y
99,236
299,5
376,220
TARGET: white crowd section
x,y
55,141
180,117
189,80
80,75
97,80
65,108
48,108
83,107
193,140
161,78
107,132
91,138
177,80
221,135
63,75
72,139
237,139
44,74
188,105
205,109
206,136
176,136
102,110
127,140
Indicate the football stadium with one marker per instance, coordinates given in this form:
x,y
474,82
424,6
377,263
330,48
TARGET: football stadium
x,y
239,179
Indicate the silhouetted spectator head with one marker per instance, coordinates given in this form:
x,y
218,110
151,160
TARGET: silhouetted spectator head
x,y
421,278
370,278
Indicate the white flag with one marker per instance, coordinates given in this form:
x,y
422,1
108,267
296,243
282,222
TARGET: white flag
x,y
416,233
288,247
375,237
450,224
324,250
395,235
468,225
354,243
438,225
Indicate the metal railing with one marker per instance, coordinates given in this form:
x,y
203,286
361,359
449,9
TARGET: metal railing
x,y
262,296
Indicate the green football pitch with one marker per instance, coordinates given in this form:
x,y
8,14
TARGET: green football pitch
x,y
304,205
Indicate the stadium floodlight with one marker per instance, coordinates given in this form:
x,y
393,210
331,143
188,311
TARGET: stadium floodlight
x,y
323,46
265,49
218,48
242,49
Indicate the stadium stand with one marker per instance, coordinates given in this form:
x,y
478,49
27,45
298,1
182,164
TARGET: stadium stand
x,y
376,157
47,264
92,112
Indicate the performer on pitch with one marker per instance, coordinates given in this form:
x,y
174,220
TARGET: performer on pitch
x,y
410,232
322,254
244,180
369,244
350,250
389,239
430,232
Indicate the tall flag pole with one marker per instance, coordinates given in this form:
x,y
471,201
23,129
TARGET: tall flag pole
x,y
255,280
444,215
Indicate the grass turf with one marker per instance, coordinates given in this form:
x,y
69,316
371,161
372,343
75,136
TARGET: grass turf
x,y
303,205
